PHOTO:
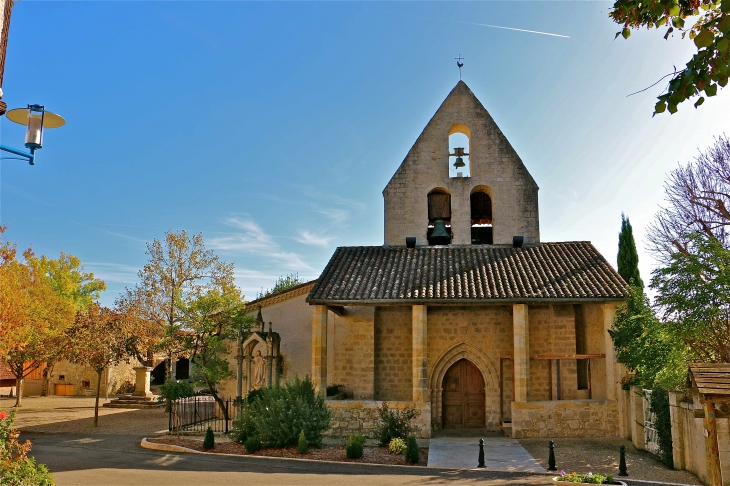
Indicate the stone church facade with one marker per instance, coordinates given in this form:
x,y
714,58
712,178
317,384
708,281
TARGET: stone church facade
x,y
482,327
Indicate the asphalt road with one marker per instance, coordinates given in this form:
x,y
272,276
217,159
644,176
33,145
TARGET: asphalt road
x,y
77,459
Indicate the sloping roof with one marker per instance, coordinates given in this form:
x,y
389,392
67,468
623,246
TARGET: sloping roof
x,y
5,373
711,378
570,271
272,299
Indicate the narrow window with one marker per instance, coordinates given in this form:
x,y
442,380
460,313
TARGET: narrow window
x,y
439,217
481,217
459,159
581,347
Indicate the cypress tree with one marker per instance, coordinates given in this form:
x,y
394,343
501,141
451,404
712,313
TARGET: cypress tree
x,y
628,258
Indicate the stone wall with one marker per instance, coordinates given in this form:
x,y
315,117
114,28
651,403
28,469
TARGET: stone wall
x,y
84,378
393,357
494,164
565,418
485,332
353,341
688,439
552,331
361,417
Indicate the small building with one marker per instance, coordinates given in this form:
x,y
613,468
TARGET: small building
x,y
464,313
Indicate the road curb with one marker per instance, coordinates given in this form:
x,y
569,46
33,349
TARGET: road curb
x,y
174,448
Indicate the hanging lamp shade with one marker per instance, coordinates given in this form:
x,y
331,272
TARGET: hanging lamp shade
x,y
36,118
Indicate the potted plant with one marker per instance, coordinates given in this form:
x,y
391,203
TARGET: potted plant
x,y
589,478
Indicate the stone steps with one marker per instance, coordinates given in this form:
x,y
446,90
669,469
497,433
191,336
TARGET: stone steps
x,y
135,403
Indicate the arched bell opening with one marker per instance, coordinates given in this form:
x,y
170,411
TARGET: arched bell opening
x,y
438,231
459,150
464,400
482,230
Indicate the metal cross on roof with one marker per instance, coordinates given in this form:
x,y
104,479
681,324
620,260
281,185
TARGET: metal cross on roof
x,y
460,64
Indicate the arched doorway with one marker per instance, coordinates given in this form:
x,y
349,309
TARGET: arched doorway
x,y
463,396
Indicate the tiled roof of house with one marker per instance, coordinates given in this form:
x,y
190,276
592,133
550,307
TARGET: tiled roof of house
x,y
570,271
5,373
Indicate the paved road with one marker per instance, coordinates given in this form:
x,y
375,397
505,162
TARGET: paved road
x,y
78,459
119,460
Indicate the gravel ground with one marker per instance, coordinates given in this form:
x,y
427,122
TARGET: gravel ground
x,y
58,415
371,454
601,455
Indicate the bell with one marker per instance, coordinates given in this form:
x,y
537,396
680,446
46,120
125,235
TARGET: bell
x,y
439,236
459,163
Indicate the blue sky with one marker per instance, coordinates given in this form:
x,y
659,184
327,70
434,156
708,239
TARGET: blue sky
x,y
272,128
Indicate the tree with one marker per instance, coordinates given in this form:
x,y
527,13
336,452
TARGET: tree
x,y
645,345
73,284
693,292
179,271
32,314
628,258
709,66
282,284
211,321
100,338
698,197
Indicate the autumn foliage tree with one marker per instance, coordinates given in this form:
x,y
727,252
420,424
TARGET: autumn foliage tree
x,y
100,338
32,314
179,271
73,284
705,22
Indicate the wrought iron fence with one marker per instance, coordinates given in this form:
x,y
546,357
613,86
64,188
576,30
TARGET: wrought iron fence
x,y
197,413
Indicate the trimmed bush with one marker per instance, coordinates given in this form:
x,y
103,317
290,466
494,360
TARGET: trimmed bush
x,y
354,446
174,389
394,424
209,441
252,444
413,453
397,446
302,446
277,415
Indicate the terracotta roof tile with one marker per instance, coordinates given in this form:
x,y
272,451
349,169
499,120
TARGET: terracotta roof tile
x,y
569,271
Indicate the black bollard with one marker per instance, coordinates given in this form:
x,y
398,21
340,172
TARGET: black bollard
x,y
481,453
551,459
622,461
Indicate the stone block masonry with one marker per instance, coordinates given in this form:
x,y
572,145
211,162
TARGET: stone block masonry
x,y
565,418
361,417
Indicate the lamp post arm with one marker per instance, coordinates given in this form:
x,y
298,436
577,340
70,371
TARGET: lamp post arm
x,y
30,156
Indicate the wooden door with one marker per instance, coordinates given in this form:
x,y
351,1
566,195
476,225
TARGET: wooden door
x,y
463,396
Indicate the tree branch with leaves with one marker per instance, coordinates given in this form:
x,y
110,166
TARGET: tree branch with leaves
x,y
709,28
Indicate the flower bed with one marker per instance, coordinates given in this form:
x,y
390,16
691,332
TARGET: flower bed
x,y
371,454
589,478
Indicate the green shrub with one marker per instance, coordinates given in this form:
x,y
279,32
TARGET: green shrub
x,y
354,446
302,446
252,444
394,424
16,469
209,441
279,414
397,446
413,453
659,402
174,389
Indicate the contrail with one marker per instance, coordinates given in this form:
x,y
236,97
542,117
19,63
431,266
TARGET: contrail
x,y
506,28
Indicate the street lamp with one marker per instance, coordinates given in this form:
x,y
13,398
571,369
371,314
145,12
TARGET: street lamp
x,y
36,118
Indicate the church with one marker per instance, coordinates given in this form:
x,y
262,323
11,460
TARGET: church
x,y
463,313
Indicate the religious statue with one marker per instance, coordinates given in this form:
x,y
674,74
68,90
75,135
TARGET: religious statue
x,y
259,376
